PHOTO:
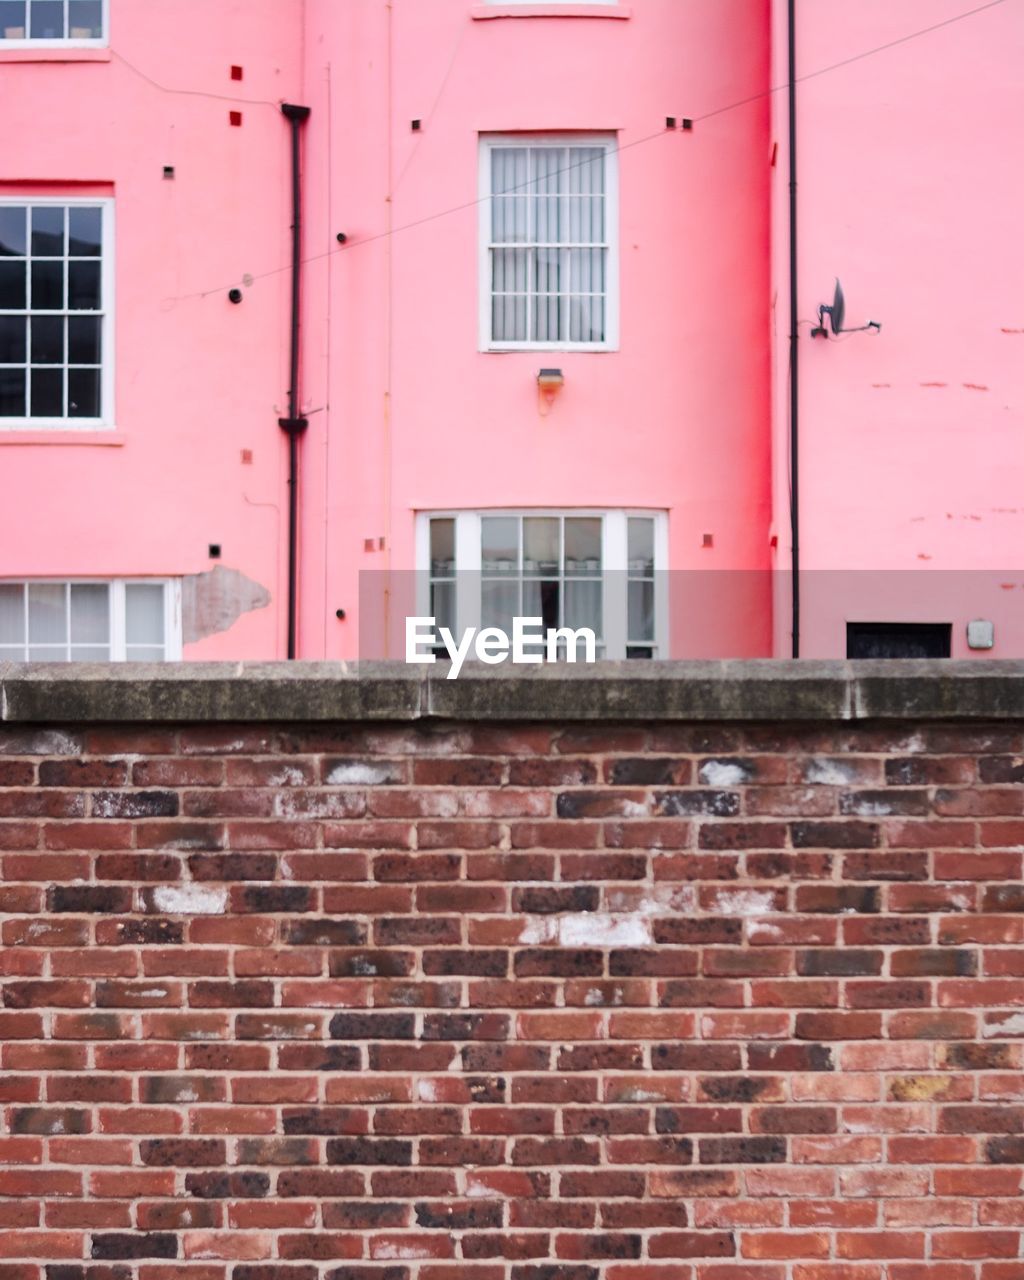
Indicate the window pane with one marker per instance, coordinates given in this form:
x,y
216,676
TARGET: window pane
x,y
85,231
582,545
12,613
47,19
85,19
83,393
83,286
12,19
47,393
47,613
508,169
48,286
90,653
583,605
145,653
144,614
90,613
640,624
541,546
12,393
84,339
499,604
13,221
586,319
12,285
442,604
48,231
542,599
640,554
499,537
48,653
48,340
442,548
12,339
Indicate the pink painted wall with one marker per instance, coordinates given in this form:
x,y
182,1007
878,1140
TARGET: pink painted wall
x,y
912,462
405,413
198,380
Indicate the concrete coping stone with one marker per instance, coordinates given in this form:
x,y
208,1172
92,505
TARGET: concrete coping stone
x,y
749,690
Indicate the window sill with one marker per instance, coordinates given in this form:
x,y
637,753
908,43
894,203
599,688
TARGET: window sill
x,y
51,53
102,436
481,12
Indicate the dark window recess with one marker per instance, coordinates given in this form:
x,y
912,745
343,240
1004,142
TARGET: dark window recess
x,y
898,639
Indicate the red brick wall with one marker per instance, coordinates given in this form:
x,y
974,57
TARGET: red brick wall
x,y
512,1003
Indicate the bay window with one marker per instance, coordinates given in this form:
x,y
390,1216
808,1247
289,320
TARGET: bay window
x,y
89,621
594,569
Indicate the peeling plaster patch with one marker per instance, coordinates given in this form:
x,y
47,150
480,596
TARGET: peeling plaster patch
x,y
659,900
634,809
743,902
190,900
723,773
590,929
1011,1026
214,600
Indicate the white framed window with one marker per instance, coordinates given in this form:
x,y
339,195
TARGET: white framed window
x,y
68,23
88,620
548,242
571,568
56,312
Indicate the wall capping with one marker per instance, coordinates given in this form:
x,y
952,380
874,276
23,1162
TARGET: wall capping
x,y
730,690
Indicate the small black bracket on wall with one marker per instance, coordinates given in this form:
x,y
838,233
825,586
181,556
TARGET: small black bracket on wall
x,y
293,426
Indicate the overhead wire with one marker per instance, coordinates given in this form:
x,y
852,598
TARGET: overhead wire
x,y
351,244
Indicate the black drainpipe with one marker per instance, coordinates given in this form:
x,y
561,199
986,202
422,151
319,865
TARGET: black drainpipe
x,y
794,334
293,424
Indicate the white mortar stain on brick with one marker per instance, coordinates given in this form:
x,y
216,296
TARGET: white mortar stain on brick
x,y
288,775
635,809
357,773
742,902
589,929
538,929
722,773
190,900
1010,1026
427,1091
760,930
830,773
872,808
480,1190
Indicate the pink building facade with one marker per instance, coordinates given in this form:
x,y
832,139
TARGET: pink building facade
x,y
545,367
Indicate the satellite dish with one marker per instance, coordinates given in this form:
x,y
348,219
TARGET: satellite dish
x,y
836,313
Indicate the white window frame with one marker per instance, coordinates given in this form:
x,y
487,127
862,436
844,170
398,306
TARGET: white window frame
x,y
117,616
66,42
614,551
105,422
488,143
